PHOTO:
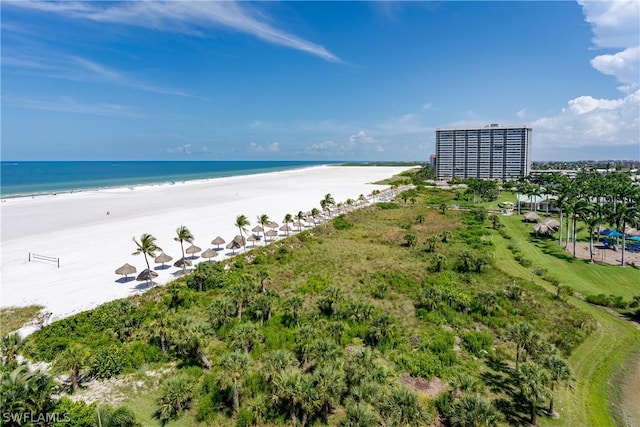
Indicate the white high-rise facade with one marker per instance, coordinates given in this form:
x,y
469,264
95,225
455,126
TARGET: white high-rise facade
x,y
490,152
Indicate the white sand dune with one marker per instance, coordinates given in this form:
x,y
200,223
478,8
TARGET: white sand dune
x,y
91,244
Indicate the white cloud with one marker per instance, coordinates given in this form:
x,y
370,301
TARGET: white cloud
x,y
427,106
522,113
75,68
186,17
622,65
614,23
180,149
274,146
593,125
323,147
615,26
589,122
361,137
256,148
70,105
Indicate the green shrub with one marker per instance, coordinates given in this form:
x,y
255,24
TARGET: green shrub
x,y
388,205
477,341
141,353
379,290
108,362
341,223
420,364
206,276
600,299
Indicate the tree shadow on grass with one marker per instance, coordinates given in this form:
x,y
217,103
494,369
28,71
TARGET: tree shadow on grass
x,y
556,252
512,409
501,381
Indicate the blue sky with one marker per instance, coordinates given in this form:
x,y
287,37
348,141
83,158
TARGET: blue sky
x,y
182,80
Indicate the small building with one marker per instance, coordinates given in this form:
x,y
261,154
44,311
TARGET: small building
x,y
541,202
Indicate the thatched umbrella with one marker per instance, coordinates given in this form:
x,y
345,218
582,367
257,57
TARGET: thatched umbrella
x,y
257,229
253,238
193,249
541,229
234,244
552,224
273,224
209,253
182,262
285,227
162,258
147,275
126,270
218,241
271,233
532,217
298,224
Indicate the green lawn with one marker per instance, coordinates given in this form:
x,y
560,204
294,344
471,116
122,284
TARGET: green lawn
x,y
597,363
579,274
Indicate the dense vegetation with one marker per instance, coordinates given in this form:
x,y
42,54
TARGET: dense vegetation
x,y
394,314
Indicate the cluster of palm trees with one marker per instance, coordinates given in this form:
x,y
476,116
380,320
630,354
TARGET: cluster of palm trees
x,y
540,376
148,247
593,198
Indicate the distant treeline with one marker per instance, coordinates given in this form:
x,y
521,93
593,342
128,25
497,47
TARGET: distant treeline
x,y
383,164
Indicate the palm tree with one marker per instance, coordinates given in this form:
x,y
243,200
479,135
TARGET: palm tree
x,y
359,414
10,347
625,214
533,380
183,235
300,218
329,385
191,344
242,223
161,327
245,336
293,308
73,359
328,202
402,408
559,372
234,368
177,394
264,221
521,334
239,291
314,214
276,362
473,411
147,247
288,219
287,388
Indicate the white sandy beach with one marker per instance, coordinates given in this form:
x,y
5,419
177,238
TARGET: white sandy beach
x,y
91,244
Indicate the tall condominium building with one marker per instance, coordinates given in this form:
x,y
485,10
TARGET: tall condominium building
x,y
490,152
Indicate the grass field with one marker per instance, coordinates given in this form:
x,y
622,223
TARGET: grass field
x,y
579,274
600,363
13,318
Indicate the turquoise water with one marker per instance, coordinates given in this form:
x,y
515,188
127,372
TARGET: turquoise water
x,y
30,178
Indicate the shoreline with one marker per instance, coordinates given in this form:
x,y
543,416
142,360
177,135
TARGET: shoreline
x,y
90,244
164,181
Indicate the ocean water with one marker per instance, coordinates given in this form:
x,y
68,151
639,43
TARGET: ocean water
x,y
32,178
